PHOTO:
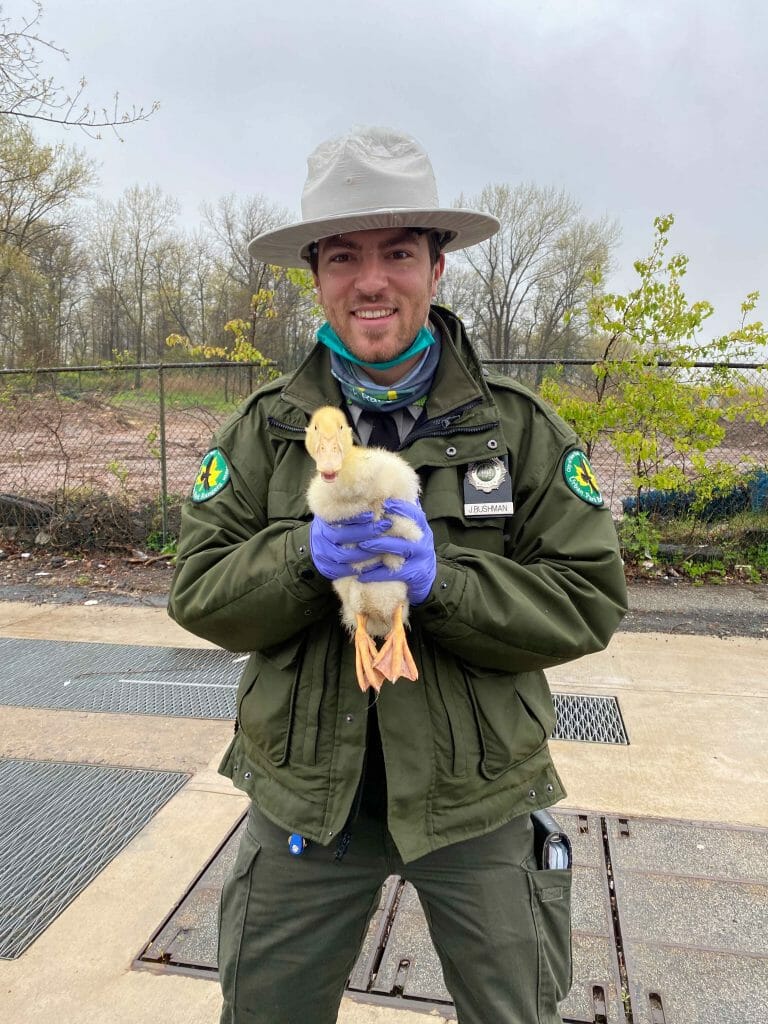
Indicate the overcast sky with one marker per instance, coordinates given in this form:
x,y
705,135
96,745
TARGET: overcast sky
x,y
634,108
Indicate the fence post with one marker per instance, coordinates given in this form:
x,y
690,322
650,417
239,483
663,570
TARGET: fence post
x,y
163,456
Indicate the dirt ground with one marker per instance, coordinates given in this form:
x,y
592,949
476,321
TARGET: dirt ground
x,y
127,577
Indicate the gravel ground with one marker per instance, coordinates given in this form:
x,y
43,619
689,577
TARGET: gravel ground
x,y
723,610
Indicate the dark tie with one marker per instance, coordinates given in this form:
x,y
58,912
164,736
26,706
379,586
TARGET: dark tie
x,y
384,431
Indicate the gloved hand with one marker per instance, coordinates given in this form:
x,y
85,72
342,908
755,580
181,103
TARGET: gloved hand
x,y
335,546
419,569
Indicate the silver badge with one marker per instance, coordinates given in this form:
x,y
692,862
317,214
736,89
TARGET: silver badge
x,y
487,476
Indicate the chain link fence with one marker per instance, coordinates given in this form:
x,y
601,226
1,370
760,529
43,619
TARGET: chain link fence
x,y
98,457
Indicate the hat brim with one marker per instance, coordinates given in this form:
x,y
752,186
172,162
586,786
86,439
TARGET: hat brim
x,y
287,246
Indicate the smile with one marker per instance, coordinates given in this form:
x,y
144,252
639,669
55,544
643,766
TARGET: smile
x,y
374,314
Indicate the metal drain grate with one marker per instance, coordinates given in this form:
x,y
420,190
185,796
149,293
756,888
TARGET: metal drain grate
x,y
183,682
61,825
590,719
668,926
195,683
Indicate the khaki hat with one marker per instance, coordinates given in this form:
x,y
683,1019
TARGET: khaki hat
x,y
371,178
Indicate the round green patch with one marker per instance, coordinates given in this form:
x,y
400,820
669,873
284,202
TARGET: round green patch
x,y
212,477
581,479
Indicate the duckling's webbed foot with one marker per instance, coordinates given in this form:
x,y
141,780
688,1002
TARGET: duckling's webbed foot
x,y
365,654
394,660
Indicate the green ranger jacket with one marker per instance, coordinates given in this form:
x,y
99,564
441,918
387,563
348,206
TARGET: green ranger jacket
x,y
466,745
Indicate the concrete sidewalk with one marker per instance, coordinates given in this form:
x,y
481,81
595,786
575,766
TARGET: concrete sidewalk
x,y
696,709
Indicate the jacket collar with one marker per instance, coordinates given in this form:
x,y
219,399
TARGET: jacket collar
x,y
459,379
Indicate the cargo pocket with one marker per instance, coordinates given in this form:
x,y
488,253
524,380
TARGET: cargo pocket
x,y
550,892
233,907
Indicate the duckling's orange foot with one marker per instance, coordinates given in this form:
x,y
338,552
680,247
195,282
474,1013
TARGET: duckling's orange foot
x,y
365,654
394,660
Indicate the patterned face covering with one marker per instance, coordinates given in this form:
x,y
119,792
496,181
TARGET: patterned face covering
x,y
328,337
358,388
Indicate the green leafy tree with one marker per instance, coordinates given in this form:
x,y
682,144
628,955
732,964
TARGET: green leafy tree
x,y
39,185
663,415
281,315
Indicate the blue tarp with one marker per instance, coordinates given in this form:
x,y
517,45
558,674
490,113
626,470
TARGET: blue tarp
x,y
752,495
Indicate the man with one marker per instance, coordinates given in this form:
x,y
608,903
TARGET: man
x,y
517,570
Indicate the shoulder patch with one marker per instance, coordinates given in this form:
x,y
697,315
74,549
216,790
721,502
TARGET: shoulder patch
x,y
580,478
212,477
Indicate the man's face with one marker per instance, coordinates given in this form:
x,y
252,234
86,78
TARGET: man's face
x,y
376,287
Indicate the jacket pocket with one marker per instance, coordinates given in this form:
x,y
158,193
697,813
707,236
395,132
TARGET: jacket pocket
x,y
451,710
550,892
266,698
514,716
316,680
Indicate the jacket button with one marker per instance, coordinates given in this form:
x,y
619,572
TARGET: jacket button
x,y
349,718
246,775
450,451
531,794
443,585
303,549
307,611
550,788
493,445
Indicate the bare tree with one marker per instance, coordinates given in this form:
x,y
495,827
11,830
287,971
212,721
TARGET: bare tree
x,y
249,287
233,223
521,289
128,239
26,91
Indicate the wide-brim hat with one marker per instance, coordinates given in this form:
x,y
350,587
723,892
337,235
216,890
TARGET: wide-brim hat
x,y
371,178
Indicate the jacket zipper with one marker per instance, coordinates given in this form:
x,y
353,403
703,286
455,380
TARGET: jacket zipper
x,y
449,432
285,426
444,429
443,426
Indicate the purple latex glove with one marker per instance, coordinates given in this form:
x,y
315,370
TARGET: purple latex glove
x,y
419,569
335,546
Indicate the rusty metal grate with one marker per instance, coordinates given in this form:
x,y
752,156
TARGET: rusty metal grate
x,y
61,825
397,966
668,926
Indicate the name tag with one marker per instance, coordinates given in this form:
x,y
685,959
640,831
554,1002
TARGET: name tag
x,y
488,489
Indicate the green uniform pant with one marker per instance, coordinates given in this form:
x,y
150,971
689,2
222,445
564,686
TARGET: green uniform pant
x,y
291,927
